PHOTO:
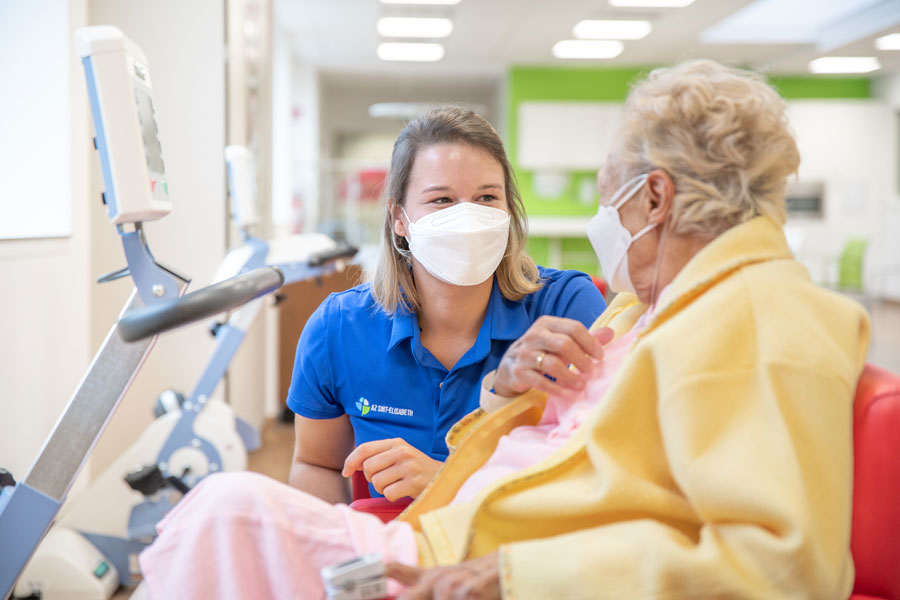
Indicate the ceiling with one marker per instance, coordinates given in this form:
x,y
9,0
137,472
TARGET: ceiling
x,y
338,36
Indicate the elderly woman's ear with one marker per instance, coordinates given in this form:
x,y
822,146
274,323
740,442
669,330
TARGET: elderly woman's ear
x,y
661,192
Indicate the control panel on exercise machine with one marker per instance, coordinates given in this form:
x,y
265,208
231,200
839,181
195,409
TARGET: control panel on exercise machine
x,y
127,136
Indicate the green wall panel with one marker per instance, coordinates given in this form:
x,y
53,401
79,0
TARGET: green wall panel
x,y
538,248
809,88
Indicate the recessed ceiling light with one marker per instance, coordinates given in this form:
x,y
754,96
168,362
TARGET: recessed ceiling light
x,y
410,52
587,49
443,2
593,29
651,3
408,110
844,64
888,42
414,27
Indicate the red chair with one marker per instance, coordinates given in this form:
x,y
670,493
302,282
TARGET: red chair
x,y
601,285
382,508
875,537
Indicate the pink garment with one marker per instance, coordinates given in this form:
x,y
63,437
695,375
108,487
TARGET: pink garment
x,y
238,536
528,445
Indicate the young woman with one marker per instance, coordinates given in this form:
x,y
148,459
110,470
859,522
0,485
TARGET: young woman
x,y
389,366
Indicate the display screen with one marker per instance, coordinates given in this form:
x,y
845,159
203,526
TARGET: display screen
x,y
149,131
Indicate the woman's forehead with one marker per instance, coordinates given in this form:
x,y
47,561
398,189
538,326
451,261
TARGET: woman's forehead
x,y
455,161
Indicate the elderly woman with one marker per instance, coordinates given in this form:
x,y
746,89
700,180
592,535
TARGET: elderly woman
x,y
710,453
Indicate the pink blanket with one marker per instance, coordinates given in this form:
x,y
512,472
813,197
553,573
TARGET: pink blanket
x,y
243,536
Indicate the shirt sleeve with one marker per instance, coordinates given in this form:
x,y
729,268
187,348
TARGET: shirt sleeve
x,y
312,393
764,457
574,295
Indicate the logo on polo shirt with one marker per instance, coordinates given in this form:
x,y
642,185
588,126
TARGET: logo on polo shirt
x,y
365,407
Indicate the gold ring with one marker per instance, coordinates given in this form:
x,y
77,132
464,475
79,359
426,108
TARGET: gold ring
x,y
539,362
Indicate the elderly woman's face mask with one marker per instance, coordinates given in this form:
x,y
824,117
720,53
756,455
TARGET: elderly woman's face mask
x,y
611,240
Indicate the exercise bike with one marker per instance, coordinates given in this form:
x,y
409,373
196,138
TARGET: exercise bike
x,y
93,545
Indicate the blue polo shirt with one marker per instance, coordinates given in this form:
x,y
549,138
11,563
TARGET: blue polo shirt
x,y
355,359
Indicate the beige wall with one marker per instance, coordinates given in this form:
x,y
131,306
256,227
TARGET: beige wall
x,y
44,345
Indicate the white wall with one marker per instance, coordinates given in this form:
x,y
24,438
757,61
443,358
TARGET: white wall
x,y
184,44
888,90
44,334
35,49
252,376
847,146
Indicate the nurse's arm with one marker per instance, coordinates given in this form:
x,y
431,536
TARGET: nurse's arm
x,y
320,448
394,467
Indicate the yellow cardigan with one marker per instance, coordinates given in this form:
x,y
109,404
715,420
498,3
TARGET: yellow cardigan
x,y
718,464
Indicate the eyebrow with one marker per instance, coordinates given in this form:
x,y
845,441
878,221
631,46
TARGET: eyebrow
x,y
444,188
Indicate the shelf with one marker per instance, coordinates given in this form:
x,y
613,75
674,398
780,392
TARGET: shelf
x,y
558,226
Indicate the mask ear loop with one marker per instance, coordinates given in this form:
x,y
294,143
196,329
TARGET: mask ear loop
x,y
625,192
405,253
659,254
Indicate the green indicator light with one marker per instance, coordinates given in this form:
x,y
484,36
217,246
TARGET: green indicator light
x,y
166,187
101,570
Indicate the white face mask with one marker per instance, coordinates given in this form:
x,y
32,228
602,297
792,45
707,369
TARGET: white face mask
x,y
463,244
611,240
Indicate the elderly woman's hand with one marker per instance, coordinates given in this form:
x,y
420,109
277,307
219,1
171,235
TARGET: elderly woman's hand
x,y
549,346
477,579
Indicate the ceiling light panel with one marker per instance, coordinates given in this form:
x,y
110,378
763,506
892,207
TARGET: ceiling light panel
x,y
414,27
888,42
845,64
593,29
780,22
422,2
587,49
651,3
410,52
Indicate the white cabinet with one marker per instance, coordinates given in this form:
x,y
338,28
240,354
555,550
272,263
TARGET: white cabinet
x,y
566,135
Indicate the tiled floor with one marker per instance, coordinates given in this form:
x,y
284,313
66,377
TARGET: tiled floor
x,y
274,457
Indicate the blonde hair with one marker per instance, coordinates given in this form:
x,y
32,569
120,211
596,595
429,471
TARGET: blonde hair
x,y
392,284
721,134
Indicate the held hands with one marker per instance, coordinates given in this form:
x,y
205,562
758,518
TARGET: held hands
x,y
477,579
395,468
549,346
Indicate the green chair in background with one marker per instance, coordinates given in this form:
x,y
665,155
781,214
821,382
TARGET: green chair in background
x,y
851,273
850,266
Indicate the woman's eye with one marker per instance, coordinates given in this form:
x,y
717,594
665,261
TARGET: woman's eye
x,y
487,198
441,200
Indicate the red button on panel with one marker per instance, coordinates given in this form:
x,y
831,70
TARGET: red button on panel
x,y
152,185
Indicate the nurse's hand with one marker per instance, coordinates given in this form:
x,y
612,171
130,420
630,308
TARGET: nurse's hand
x,y
549,346
393,467
477,579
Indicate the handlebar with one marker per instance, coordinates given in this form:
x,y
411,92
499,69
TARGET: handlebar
x,y
147,321
340,251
